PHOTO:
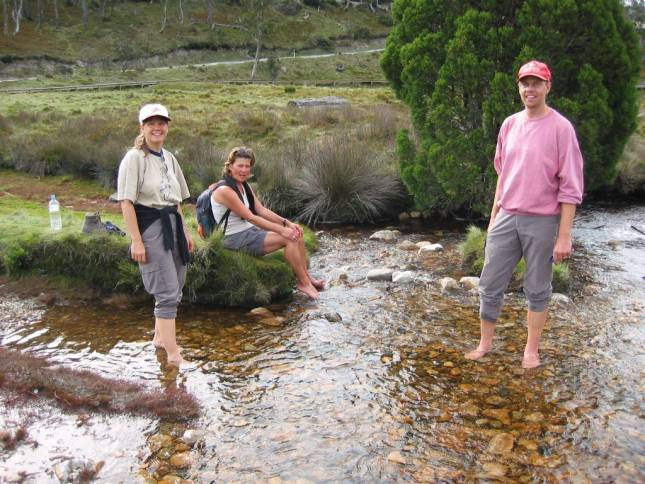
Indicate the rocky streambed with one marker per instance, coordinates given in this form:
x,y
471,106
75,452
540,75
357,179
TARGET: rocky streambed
x,y
367,384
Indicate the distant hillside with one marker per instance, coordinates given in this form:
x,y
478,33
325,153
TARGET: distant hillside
x,y
116,30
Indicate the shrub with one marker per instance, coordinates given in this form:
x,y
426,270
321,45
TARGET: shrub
x,y
289,89
454,64
256,123
201,163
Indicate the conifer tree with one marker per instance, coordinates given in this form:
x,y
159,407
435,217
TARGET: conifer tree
x,y
454,63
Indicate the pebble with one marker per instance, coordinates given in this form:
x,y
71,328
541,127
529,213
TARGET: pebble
x,y
408,245
382,274
403,277
469,282
536,417
385,235
501,443
191,436
275,321
261,312
159,441
396,456
501,414
447,284
180,460
494,469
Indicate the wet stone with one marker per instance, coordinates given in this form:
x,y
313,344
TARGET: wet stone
x,y
261,312
469,282
501,414
455,372
528,444
158,441
180,460
275,321
171,479
493,469
501,444
165,453
191,437
403,277
536,417
382,274
385,235
495,400
408,245
447,284
396,457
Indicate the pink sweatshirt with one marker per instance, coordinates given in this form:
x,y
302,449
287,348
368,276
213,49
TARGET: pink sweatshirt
x,y
539,164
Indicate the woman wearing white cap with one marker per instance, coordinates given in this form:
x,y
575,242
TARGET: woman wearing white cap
x,y
151,187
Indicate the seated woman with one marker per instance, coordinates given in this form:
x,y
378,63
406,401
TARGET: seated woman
x,y
254,228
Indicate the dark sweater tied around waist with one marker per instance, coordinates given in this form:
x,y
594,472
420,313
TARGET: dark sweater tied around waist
x,y
147,215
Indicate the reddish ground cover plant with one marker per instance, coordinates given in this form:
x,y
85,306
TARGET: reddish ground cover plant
x,y
31,376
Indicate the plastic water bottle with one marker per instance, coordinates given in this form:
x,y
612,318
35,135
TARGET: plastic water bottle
x,y
55,221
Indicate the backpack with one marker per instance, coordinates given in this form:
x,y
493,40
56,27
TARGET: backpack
x,y
206,222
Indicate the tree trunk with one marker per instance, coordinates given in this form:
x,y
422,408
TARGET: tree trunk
x,y
86,13
56,13
39,13
5,18
17,15
210,12
258,45
104,8
181,13
164,7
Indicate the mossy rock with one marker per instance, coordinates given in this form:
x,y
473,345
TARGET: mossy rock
x,y
100,262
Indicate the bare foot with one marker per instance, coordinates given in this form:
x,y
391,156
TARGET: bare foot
x,y
319,284
530,361
157,341
477,353
308,290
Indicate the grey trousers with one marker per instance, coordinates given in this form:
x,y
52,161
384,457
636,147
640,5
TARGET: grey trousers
x,y
511,238
163,274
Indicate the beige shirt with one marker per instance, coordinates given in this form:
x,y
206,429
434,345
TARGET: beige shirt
x,y
149,180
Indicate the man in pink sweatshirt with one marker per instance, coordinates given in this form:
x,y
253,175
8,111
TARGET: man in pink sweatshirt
x,y
540,182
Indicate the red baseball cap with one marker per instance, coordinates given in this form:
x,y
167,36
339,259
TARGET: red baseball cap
x,y
536,69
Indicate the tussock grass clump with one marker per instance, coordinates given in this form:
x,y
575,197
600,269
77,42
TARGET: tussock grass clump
x,y
472,256
334,179
346,181
80,388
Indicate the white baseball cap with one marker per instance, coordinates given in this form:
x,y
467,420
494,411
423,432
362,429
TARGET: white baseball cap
x,y
150,110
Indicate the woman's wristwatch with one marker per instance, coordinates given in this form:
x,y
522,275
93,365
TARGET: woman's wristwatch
x,y
284,222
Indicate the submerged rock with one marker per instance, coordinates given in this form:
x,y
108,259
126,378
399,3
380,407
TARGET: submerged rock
x,y
494,469
501,443
408,245
383,274
430,248
191,436
261,312
385,235
274,321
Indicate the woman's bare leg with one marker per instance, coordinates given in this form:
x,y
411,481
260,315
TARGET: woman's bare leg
x,y
296,258
166,333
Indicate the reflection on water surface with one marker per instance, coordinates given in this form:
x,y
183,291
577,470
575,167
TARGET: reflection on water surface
x,y
369,384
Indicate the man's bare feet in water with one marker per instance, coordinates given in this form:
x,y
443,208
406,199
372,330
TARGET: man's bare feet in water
x,y
319,284
308,290
477,353
530,361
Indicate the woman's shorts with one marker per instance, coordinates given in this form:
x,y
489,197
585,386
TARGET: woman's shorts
x,y
249,240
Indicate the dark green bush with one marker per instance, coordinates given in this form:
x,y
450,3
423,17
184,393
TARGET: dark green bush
x,y
454,64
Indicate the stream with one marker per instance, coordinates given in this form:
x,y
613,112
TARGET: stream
x,y
368,384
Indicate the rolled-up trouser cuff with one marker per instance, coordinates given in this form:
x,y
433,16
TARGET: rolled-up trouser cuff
x,y
166,311
538,305
489,310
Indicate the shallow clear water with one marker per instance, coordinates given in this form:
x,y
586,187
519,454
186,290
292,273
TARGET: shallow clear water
x,y
369,383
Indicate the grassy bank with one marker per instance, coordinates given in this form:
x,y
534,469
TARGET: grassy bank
x,y
98,263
